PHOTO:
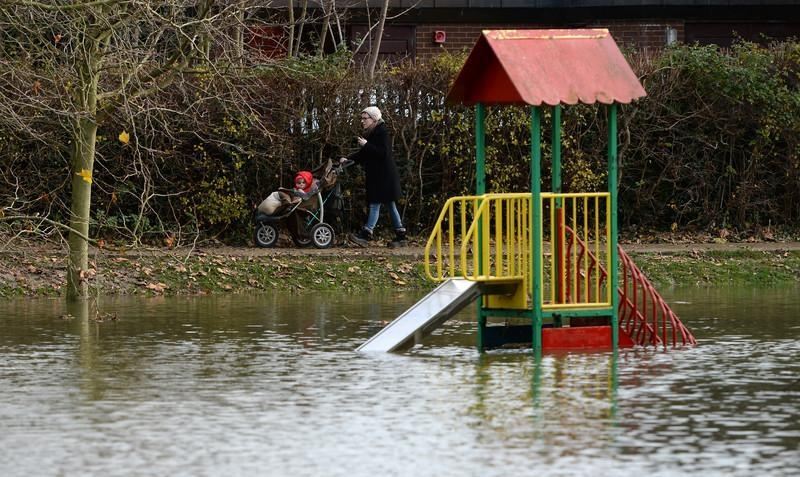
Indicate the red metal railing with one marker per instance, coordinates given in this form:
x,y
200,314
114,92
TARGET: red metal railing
x,y
643,313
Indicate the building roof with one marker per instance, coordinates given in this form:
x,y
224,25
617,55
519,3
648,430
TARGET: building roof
x,y
550,67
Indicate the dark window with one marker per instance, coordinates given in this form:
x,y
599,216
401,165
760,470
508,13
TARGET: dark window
x,y
397,43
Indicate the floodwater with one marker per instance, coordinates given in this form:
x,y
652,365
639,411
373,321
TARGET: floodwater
x,y
270,385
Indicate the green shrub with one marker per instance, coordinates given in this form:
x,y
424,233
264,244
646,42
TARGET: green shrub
x,y
716,143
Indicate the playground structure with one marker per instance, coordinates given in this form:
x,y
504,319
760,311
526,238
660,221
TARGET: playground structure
x,y
546,264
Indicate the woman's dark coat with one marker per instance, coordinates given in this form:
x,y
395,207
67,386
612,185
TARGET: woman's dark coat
x,y
381,178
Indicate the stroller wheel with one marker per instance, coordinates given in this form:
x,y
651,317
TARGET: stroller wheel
x,y
322,235
266,235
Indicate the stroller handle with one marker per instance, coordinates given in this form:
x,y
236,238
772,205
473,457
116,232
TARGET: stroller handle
x,y
344,165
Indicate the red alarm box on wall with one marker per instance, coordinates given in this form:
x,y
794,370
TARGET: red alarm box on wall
x,y
439,36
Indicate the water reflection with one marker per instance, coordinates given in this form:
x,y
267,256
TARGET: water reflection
x,y
241,384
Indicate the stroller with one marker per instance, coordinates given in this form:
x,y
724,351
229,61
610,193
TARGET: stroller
x,y
305,220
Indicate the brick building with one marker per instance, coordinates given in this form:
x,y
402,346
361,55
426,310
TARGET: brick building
x,y
429,26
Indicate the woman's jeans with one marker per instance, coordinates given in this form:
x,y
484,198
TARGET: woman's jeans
x,y
374,212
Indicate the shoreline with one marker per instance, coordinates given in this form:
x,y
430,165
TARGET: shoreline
x,y
28,270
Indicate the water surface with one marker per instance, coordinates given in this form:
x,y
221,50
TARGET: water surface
x,y
270,385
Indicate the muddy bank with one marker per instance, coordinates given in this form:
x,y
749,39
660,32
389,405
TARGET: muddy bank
x,y
40,270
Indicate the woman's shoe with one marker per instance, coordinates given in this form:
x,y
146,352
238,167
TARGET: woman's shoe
x,y
361,238
399,240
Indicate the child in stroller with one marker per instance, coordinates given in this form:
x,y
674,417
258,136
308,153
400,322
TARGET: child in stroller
x,y
301,210
305,186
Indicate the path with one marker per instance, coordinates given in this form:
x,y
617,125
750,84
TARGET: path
x,y
417,251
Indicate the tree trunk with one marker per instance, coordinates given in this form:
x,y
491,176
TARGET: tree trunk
x,y
238,37
290,46
376,45
340,41
300,29
323,36
84,137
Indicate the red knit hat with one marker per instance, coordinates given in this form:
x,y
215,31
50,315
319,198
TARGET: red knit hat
x,y
306,175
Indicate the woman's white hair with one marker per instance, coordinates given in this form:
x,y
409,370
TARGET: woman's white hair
x,y
373,112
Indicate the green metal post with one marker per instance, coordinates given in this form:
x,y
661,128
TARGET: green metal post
x,y
480,149
555,187
612,190
536,227
556,177
480,188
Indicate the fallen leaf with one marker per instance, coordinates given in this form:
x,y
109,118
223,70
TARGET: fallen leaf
x,y
157,287
226,271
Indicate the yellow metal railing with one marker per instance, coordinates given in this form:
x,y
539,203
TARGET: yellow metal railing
x,y
488,238
483,238
578,232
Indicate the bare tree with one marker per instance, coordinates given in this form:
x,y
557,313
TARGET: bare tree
x,y
327,11
375,32
67,67
302,22
376,45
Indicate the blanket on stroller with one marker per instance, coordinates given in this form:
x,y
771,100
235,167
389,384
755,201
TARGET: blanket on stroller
x,y
324,177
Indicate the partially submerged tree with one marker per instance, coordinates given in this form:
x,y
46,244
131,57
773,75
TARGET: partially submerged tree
x,y
68,67
71,70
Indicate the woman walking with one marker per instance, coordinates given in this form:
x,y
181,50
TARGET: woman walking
x,y
381,177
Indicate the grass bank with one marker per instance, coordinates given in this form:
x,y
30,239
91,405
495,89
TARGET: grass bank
x,y
721,267
40,272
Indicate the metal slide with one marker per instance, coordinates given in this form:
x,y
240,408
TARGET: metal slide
x,y
425,316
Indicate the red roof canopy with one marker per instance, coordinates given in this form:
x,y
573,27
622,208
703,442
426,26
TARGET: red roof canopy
x,y
550,67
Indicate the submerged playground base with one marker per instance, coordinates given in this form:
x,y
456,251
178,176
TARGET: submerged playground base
x,y
453,295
